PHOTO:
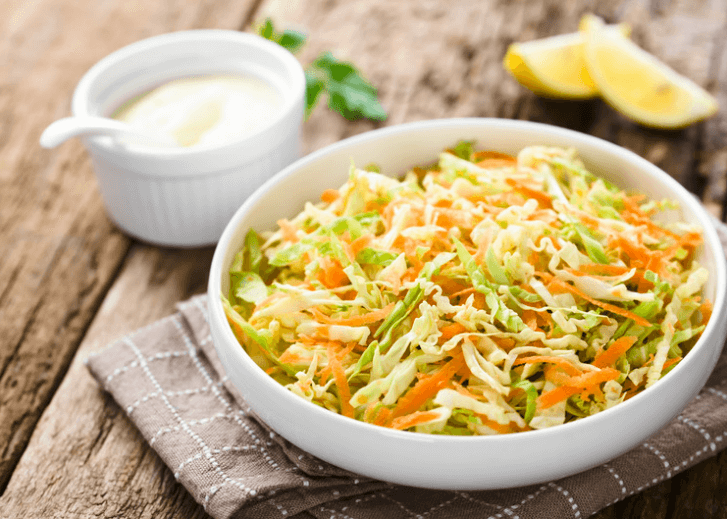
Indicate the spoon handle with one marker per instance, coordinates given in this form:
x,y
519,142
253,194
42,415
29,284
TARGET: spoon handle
x,y
63,129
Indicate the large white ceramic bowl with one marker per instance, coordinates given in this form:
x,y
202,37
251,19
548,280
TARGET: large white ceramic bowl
x,y
465,463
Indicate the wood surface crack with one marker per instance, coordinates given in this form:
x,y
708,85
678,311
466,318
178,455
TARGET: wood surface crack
x,y
14,350
110,412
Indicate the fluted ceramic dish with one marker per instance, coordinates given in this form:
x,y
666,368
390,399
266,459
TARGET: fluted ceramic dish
x,y
185,196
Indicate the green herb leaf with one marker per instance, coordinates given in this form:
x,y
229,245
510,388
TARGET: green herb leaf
x,y
290,40
314,87
349,93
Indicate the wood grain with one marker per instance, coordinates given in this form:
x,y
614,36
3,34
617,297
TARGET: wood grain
x,y
85,458
429,59
60,252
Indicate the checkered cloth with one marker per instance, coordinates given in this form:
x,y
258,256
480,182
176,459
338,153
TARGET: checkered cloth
x,y
169,381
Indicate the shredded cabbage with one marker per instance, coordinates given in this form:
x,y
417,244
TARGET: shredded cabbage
x,y
486,294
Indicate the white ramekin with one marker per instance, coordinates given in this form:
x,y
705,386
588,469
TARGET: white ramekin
x,y
185,196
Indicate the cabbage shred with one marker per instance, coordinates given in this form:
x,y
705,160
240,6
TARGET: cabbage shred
x,y
486,294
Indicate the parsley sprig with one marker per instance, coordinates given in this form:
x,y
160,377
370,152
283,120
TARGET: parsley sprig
x,y
349,93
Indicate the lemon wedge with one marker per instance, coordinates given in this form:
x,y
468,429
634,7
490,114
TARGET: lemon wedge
x,y
555,66
640,86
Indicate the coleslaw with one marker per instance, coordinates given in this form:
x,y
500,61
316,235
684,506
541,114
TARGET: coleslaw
x,y
484,294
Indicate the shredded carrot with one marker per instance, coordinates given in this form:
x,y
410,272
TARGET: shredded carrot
x,y
288,230
331,273
540,196
382,416
344,392
506,343
450,287
555,374
614,351
358,320
330,195
495,163
497,426
479,156
562,363
670,362
428,387
272,297
415,418
465,292
576,385
446,217
606,306
340,355
361,243
530,318
287,357
450,330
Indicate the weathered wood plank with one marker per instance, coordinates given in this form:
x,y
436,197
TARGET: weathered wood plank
x,y
60,252
85,458
429,59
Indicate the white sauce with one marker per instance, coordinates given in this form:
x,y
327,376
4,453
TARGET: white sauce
x,y
204,110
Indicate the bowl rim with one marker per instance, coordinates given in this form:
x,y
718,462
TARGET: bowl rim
x,y
216,313
80,103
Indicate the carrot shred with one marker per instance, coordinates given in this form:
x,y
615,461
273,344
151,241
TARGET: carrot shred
x,y
614,351
465,292
562,363
606,306
330,195
496,163
427,388
361,243
324,372
416,418
540,196
288,230
382,416
339,376
450,287
497,426
450,330
670,362
480,156
291,358
331,273
576,385
358,320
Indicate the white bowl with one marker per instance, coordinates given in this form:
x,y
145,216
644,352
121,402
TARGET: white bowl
x,y
465,463
185,196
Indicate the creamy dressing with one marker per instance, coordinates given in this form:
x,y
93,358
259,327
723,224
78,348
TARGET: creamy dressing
x,y
204,110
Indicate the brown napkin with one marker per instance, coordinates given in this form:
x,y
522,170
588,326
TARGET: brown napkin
x,y
169,380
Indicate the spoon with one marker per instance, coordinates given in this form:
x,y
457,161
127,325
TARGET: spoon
x,y
63,129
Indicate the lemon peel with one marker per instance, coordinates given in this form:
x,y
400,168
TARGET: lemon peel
x,y
640,86
555,66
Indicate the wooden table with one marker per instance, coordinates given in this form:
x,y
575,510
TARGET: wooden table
x,y
70,282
